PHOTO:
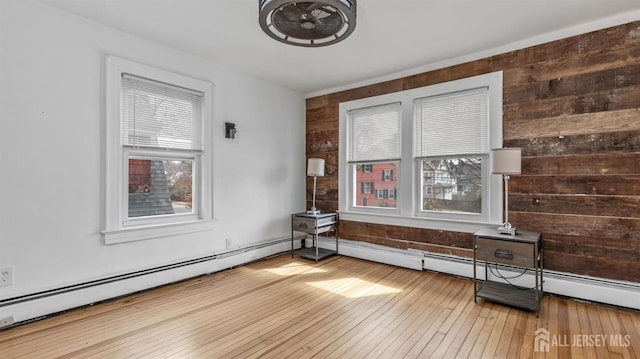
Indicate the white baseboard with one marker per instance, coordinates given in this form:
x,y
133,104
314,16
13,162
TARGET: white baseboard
x,y
619,293
36,306
614,292
374,253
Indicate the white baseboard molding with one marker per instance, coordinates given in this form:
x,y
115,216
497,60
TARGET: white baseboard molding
x,y
601,290
374,253
25,308
38,305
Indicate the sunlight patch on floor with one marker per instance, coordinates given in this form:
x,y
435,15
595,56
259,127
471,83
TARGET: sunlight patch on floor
x,y
294,269
354,287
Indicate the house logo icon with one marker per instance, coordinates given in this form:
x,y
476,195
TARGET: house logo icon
x,y
541,340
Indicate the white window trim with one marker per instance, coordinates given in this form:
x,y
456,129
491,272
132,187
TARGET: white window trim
x,y
409,178
116,230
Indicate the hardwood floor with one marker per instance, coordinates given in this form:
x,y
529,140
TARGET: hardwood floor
x,y
339,308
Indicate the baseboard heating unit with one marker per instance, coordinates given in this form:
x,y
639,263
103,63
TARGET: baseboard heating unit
x,y
35,305
601,290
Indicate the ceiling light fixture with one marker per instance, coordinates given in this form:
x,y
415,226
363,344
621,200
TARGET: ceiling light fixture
x,y
308,23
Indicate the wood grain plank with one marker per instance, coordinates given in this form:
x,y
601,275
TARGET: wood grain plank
x,y
386,343
424,330
602,142
588,205
610,185
486,347
387,327
558,125
588,164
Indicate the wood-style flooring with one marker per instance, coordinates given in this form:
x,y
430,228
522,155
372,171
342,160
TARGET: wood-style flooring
x,y
340,308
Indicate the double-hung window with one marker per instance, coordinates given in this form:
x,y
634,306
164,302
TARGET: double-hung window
x,y
428,152
158,152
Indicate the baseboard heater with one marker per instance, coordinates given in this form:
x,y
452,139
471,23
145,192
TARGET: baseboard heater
x,y
140,273
601,290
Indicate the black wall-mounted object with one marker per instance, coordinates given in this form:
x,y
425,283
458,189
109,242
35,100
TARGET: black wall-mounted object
x,y
229,130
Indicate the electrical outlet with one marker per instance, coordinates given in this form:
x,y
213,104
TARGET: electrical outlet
x,y
5,322
228,242
6,276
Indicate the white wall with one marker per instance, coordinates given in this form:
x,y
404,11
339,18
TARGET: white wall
x,y
52,104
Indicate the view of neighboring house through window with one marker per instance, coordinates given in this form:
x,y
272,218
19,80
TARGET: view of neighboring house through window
x,y
377,185
452,185
160,187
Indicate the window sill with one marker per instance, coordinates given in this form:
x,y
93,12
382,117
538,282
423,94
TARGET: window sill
x,y
140,233
416,222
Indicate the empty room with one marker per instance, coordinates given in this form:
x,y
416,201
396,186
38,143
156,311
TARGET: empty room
x,y
327,179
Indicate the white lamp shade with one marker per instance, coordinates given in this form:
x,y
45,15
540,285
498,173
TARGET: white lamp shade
x,y
315,167
506,161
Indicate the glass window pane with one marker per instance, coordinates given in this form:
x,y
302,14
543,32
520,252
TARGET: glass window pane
x,y
452,185
375,184
160,187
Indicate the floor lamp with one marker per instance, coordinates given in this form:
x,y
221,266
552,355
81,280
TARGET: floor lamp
x,y
315,168
506,162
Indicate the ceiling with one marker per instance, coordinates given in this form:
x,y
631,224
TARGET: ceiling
x,y
392,37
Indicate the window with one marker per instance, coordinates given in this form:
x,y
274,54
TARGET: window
x,y
429,150
392,193
374,135
387,175
462,116
158,152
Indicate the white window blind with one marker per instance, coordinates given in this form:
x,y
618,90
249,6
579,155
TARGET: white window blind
x,y
452,124
158,115
374,134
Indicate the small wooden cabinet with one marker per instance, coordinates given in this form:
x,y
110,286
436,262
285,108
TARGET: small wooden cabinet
x,y
314,224
523,250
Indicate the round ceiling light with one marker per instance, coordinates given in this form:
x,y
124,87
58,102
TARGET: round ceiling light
x,y
308,23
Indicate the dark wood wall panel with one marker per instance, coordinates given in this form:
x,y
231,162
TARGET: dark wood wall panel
x,y
621,185
588,205
569,125
407,237
573,105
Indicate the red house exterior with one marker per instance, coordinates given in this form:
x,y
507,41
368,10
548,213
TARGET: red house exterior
x,y
376,185
139,176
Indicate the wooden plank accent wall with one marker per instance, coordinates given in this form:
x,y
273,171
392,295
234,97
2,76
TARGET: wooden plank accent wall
x,y
573,105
